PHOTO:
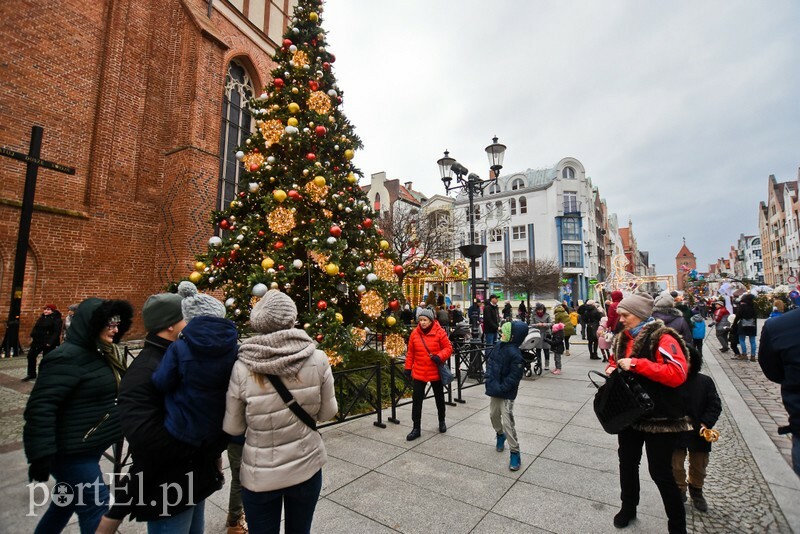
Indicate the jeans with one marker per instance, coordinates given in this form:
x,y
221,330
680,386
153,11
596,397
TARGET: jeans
x,y
659,447
33,353
742,344
501,414
89,491
190,521
263,508
419,395
491,338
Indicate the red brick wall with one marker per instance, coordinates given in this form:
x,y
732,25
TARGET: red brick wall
x,y
130,94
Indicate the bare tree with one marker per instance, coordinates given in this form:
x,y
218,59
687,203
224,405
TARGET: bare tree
x,y
533,277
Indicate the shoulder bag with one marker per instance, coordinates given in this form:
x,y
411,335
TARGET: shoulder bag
x,y
620,401
445,374
291,402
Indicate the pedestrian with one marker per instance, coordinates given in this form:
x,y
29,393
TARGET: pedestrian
x,y
556,342
656,355
458,315
698,331
604,338
672,317
194,373
613,318
682,307
158,459
746,322
560,315
522,312
778,309
721,324
591,320
71,416
504,369
407,315
491,321
45,336
428,347
507,311
540,320
581,318
703,406
443,317
71,309
779,358
283,453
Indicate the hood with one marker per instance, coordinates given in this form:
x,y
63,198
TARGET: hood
x,y
91,317
616,296
697,318
518,332
210,335
559,309
666,314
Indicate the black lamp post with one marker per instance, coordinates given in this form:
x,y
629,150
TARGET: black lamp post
x,y
472,184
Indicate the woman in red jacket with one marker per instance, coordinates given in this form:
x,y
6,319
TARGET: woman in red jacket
x,y
428,346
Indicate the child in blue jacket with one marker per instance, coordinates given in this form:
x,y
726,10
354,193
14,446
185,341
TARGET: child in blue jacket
x,y
504,368
698,331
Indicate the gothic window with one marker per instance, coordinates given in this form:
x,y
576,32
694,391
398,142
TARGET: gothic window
x,y
523,205
512,205
568,173
377,204
236,126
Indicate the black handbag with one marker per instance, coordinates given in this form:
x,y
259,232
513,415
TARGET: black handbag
x,y
620,401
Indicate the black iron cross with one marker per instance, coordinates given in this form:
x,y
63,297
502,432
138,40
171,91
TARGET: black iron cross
x,y
11,345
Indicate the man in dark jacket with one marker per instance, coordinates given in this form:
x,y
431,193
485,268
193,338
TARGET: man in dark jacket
x,y
45,336
504,369
491,321
71,417
779,357
159,460
665,311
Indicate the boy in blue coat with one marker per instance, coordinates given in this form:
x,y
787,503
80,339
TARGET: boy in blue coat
x,y
504,369
698,331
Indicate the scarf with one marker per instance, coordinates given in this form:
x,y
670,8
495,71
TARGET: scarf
x,y
115,358
638,328
280,353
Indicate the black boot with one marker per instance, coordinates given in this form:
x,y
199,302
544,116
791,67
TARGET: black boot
x,y
698,500
414,434
624,516
442,426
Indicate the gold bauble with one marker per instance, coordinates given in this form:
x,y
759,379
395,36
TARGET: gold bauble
x,y
351,178
279,195
267,263
319,102
349,154
339,317
199,266
195,277
313,17
332,269
292,121
384,244
391,320
293,107
319,181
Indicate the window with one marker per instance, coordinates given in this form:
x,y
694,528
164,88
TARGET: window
x,y
478,212
377,205
518,232
496,235
236,124
572,255
568,173
518,256
498,209
512,204
494,189
518,183
570,229
571,202
495,259
523,205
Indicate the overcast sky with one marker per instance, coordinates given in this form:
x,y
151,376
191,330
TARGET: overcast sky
x,y
678,110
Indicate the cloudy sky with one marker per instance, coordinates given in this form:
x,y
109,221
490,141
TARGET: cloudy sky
x,y
678,110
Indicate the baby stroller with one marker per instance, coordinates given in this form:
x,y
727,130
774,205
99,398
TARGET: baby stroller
x,y
529,353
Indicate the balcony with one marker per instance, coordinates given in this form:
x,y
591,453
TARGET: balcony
x,y
572,207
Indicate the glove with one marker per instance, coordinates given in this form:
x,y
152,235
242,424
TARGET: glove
x,y
407,372
436,359
39,470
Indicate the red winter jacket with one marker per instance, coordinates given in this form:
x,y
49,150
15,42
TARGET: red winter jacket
x,y
670,370
613,316
417,359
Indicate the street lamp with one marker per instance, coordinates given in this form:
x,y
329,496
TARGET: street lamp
x,y
472,184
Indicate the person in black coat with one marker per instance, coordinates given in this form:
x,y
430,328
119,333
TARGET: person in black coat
x,y
591,320
746,323
703,406
672,317
45,336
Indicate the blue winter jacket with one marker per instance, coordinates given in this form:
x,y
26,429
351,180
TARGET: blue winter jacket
x,y
779,357
698,327
194,376
505,365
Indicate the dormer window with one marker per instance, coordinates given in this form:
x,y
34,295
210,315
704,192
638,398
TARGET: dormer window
x,y
494,189
518,183
568,173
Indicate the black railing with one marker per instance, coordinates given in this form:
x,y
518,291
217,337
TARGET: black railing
x,y
470,359
354,393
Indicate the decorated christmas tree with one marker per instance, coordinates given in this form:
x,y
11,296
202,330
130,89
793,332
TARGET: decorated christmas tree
x,y
300,222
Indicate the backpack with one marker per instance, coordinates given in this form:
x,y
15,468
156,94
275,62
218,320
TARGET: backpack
x,y
573,318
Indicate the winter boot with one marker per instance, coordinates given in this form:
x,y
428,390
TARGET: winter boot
x,y
442,426
624,517
698,500
237,526
414,434
566,352
515,462
753,358
501,442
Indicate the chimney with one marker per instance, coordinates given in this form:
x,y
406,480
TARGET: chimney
x,y
408,185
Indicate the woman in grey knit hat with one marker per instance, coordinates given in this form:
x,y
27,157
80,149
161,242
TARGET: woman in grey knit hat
x,y
283,456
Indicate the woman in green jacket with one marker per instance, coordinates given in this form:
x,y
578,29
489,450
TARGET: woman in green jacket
x,y
71,416
560,315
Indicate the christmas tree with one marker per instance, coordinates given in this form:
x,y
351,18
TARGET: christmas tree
x,y
300,222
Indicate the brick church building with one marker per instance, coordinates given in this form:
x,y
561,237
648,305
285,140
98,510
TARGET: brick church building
x,y
146,100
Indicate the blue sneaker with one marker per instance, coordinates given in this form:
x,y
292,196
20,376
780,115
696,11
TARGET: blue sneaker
x,y
515,462
501,442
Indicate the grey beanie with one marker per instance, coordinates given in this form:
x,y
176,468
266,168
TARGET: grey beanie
x,y
638,304
195,304
425,312
162,311
664,300
275,311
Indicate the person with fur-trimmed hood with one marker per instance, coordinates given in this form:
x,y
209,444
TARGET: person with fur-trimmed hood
x,y
703,406
71,417
656,356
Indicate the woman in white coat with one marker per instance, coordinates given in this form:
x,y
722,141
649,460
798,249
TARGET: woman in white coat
x,y
282,457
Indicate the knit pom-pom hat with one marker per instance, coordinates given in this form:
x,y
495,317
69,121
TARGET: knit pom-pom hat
x,y
195,304
275,311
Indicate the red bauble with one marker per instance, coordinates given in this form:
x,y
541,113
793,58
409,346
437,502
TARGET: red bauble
x,y
361,263
398,270
380,254
333,58
287,43
313,85
253,167
293,194
224,224
326,66
255,149
242,194
278,83
341,275
336,231
394,304
322,305
261,233
319,338
359,227
281,267
367,223
278,245
380,231
234,255
313,42
320,131
311,156
312,220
